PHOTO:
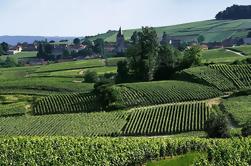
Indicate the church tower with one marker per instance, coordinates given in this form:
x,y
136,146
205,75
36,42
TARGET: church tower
x,y
120,42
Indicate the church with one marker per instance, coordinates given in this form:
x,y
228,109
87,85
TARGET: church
x,y
120,43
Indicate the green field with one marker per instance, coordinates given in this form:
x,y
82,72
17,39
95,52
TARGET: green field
x,y
213,30
239,108
71,65
21,55
246,49
220,56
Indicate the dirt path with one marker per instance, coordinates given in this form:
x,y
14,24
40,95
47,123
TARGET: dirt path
x,y
237,53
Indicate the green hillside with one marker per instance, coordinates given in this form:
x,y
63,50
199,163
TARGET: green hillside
x,y
213,30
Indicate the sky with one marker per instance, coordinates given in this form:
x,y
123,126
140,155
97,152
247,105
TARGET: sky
x,y
90,17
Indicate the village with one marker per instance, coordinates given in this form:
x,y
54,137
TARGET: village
x,y
83,48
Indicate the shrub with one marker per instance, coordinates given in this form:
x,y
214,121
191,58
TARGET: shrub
x,y
246,130
217,126
90,76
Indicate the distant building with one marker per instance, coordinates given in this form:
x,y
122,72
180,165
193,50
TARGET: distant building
x,y
214,45
76,48
175,42
29,47
58,50
15,50
204,46
229,42
120,43
247,40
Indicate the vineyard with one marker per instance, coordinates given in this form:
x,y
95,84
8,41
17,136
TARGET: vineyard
x,y
167,119
210,77
65,103
151,93
120,151
240,75
239,108
91,124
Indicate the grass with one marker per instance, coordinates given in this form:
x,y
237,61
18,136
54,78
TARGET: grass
x,y
220,56
246,49
21,55
78,73
184,160
11,105
71,65
213,30
239,108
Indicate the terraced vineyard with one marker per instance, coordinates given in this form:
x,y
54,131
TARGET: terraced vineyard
x,y
240,75
91,124
152,93
209,76
65,103
167,119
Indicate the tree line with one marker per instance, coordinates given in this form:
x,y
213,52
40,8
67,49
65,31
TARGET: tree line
x,y
235,12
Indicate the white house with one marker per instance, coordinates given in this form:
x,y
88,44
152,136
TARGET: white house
x,y
247,40
15,50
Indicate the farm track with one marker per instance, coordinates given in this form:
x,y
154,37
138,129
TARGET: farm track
x,y
235,52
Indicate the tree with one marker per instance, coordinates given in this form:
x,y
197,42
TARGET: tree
x,y
168,62
135,37
106,96
192,57
99,46
90,76
89,47
76,41
246,130
142,55
201,39
1,50
45,51
122,72
235,12
10,62
217,126
66,53
5,47
249,34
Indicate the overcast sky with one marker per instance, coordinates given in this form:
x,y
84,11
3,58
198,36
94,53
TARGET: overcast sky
x,y
88,17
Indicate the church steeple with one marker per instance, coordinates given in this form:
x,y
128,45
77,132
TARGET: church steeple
x,y
120,42
120,33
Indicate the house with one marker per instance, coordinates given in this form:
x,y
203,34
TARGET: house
x,y
58,50
175,42
29,47
204,46
214,45
15,50
247,40
229,42
76,48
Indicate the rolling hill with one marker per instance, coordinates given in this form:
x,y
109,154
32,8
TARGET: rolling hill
x,y
213,30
